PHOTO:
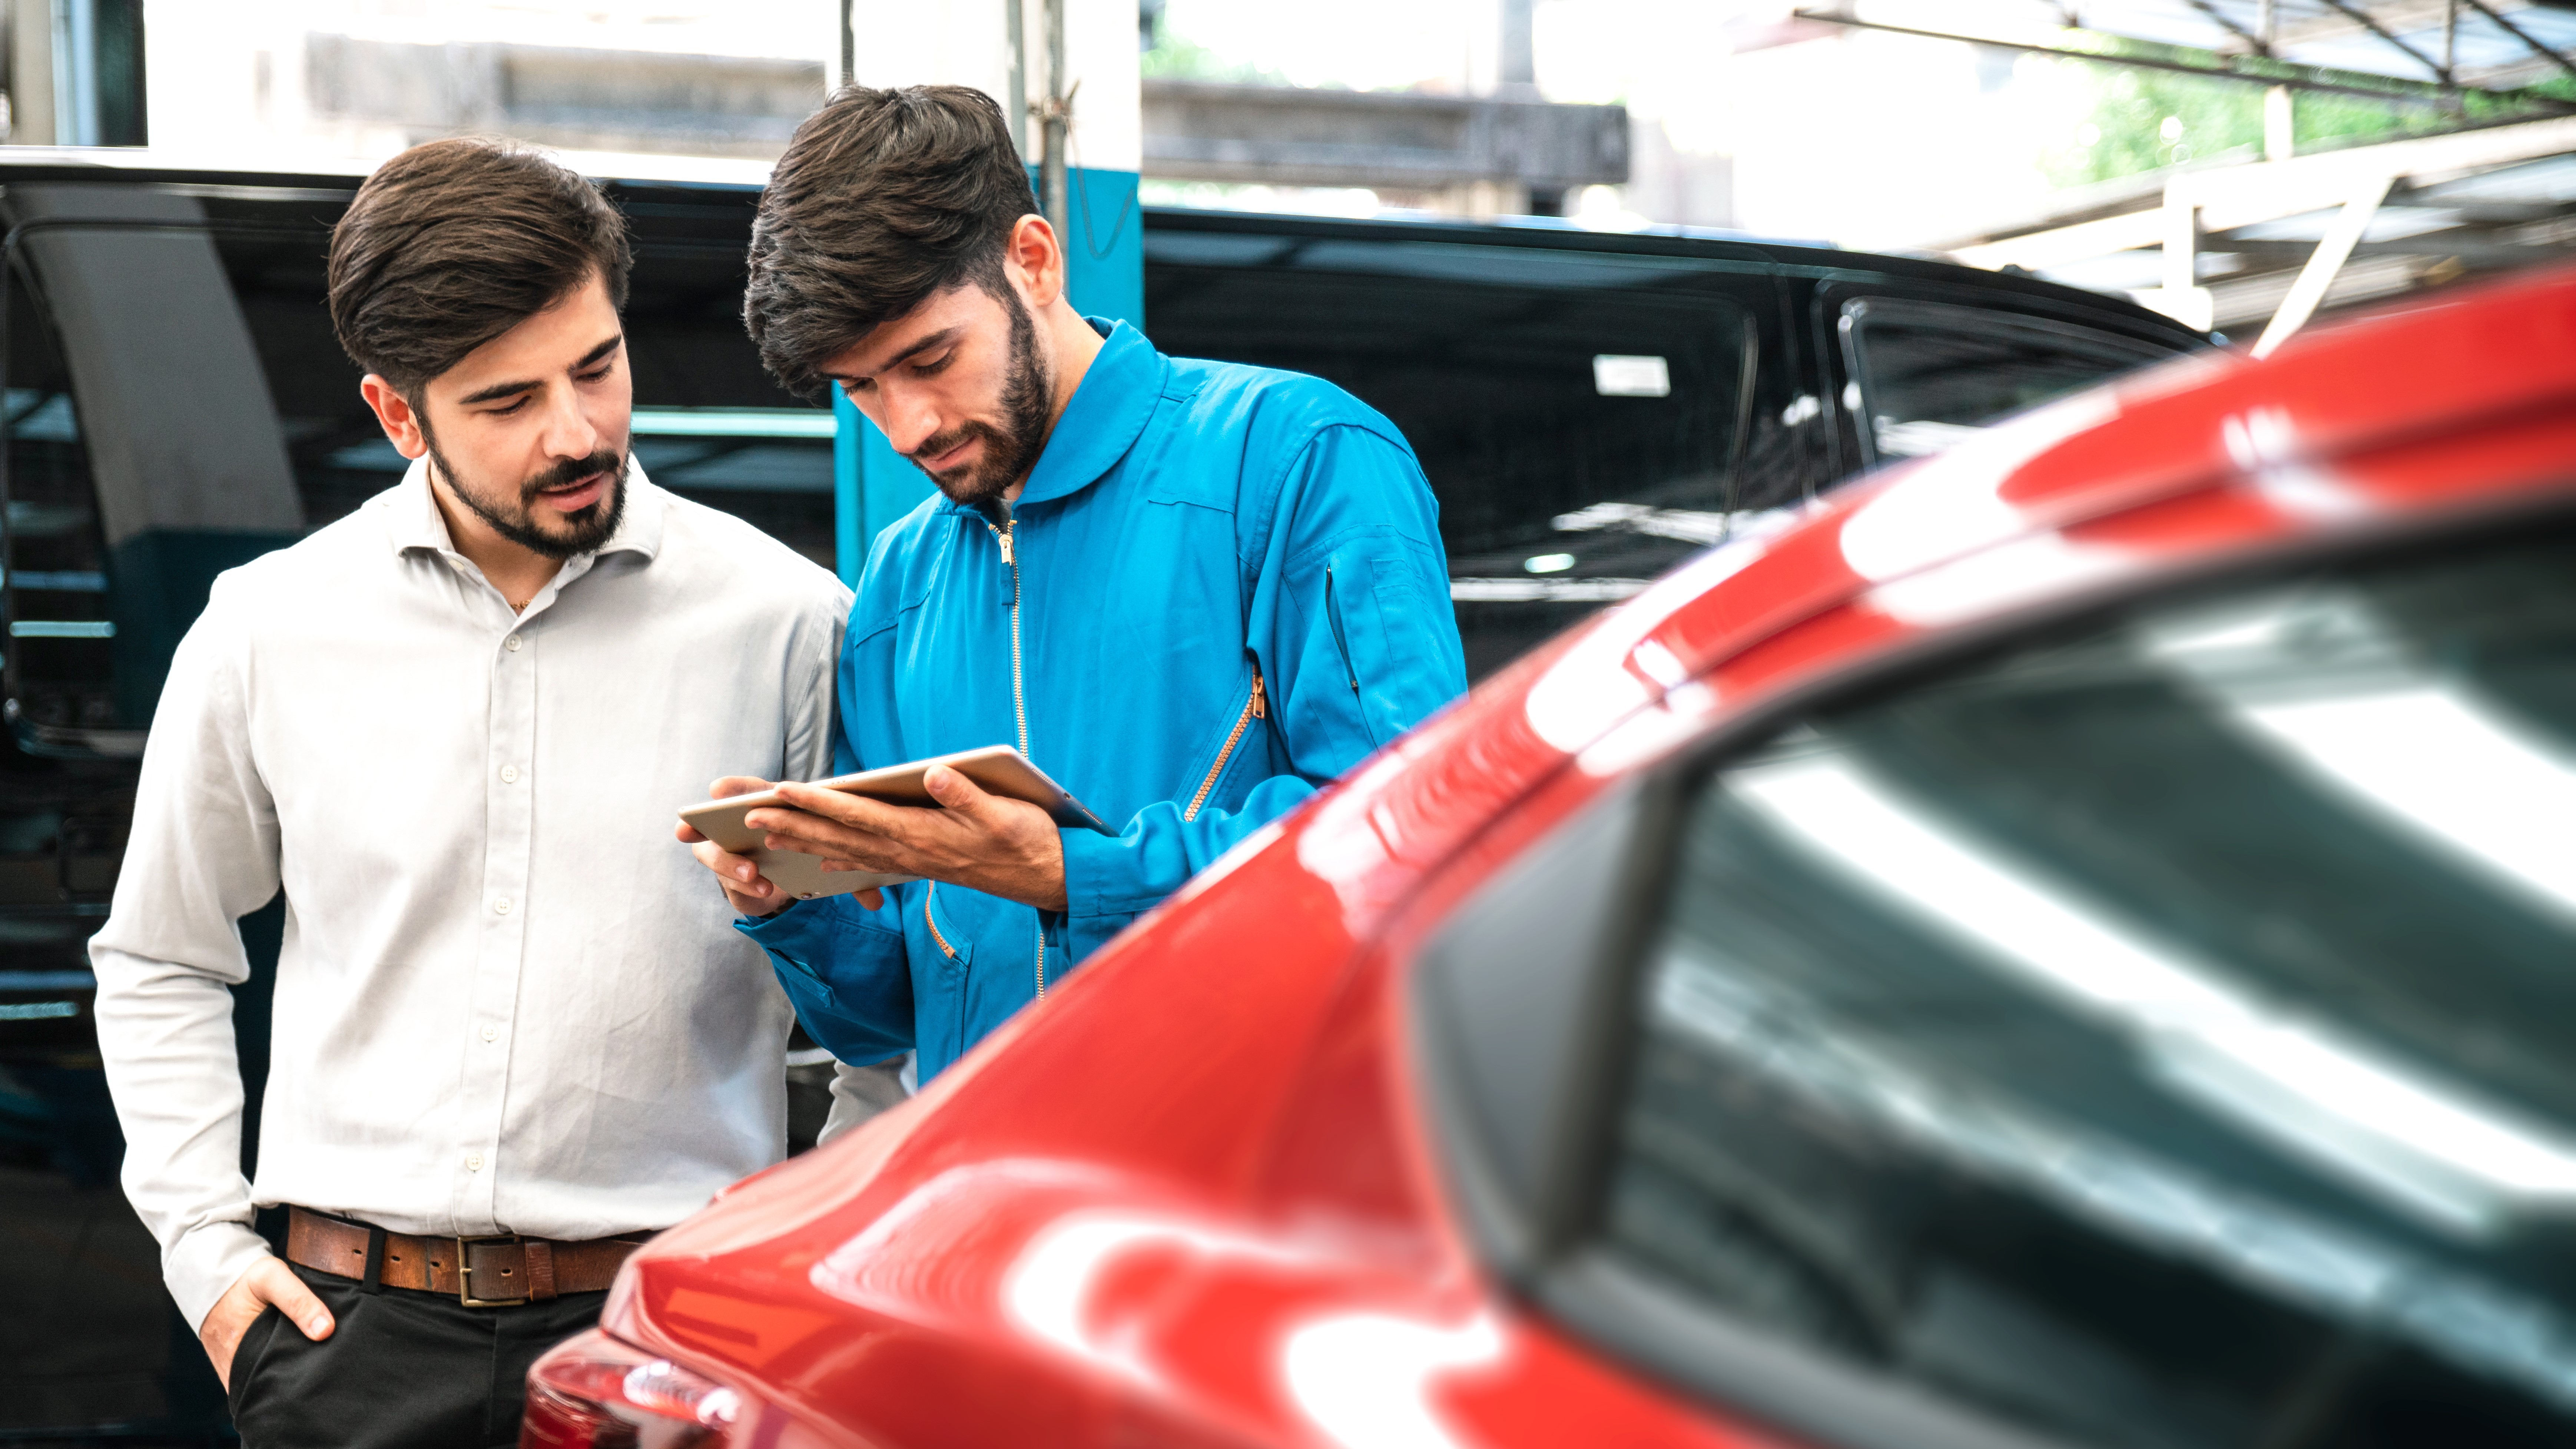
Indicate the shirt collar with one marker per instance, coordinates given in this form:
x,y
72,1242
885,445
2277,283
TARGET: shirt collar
x,y
413,520
1103,418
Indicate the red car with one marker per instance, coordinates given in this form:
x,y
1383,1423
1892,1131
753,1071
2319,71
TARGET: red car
x,y
2071,941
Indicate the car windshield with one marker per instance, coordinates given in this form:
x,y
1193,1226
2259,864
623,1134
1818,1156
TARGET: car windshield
x,y
2163,1034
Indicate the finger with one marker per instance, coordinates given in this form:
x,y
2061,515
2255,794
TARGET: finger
x,y
688,834
856,811
739,873
871,899
813,835
728,786
863,853
955,792
277,1284
888,866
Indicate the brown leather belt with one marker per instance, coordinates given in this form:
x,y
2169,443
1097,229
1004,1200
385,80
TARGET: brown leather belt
x,y
499,1272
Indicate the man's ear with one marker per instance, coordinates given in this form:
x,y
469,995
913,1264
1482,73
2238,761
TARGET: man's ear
x,y
1035,257
394,411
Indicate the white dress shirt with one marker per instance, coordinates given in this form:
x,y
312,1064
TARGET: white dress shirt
x,y
509,1000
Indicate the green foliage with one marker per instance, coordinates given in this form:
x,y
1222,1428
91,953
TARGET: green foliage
x,y
1177,57
2129,131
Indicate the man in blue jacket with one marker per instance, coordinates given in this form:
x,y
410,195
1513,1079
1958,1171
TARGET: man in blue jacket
x,y
1192,592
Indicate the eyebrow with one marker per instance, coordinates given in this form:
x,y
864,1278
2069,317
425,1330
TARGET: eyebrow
x,y
940,338
500,390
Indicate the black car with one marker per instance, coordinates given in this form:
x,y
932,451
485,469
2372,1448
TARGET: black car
x,y
1589,408
1593,408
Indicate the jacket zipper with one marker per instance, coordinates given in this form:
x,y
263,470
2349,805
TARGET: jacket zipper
x,y
1254,708
927,920
1019,699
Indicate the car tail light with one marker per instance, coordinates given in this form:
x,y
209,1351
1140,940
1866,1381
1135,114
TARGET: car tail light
x,y
593,1392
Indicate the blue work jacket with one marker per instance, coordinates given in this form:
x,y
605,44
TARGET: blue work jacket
x,y
1224,587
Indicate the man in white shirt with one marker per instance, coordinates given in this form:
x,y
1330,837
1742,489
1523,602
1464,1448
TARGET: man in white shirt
x,y
513,1033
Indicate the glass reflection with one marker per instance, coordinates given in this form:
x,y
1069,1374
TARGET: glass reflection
x,y
2155,1035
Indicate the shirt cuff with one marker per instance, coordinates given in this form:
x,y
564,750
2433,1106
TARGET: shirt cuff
x,y
206,1262
800,936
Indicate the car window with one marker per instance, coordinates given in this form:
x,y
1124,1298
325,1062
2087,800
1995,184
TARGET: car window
x,y
1583,420
140,468
1925,374
708,423
2159,1035
53,568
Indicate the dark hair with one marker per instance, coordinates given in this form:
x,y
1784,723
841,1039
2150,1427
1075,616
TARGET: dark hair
x,y
453,243
883,200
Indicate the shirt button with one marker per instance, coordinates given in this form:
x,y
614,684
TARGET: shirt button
x,y
509,774
511,643
491,1033
501,906
474,1162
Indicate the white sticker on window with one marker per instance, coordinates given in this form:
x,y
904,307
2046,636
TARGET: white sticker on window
x,y
1616,376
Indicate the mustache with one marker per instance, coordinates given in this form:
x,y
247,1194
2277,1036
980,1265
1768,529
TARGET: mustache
x,y
564,472
922,455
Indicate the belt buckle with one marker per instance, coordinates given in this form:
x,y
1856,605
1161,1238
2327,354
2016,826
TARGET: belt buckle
x,y
465,1273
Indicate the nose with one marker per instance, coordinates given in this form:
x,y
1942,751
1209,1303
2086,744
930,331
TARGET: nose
x,y
910,419
569,432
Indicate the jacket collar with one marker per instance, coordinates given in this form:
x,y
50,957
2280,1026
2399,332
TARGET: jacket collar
x,y
412,519
1101,421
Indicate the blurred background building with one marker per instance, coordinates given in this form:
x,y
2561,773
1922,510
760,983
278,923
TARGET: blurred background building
x,y
2209,157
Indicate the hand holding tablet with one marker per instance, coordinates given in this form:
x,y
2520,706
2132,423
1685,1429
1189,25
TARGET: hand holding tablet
x,y
996,769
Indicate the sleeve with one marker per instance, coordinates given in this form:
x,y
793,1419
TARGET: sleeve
x,y
845,972
203,854
1352,626
845,968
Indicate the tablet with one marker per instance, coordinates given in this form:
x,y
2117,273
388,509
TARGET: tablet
x,y
996,769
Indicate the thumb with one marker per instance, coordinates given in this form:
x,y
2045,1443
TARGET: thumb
x,y
954,790
296,1301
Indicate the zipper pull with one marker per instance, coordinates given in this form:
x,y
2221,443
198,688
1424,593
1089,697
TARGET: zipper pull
x,y
1260,706
1003,536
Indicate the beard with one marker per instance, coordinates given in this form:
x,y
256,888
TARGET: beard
x,y
1010,449
516,519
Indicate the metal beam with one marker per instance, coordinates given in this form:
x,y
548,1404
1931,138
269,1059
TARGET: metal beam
x,y
2256,43
2236,196
1292,136
2363,18
2525,36
2390,89
2328,259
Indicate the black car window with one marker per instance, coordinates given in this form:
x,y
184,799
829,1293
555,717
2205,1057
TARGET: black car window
x,y
1925,374
53,570
2162,1035
132,483
1582,419
708,423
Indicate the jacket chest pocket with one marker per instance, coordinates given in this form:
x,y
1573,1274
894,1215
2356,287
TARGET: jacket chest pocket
x,y
1239,740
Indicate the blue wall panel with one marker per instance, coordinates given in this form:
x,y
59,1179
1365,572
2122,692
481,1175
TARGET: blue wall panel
x,y
873,485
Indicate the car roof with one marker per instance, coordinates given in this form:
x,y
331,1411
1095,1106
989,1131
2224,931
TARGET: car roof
x,y
1801,257
722,180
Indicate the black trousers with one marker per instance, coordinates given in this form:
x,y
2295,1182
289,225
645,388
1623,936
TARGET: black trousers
x,y
403,1369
